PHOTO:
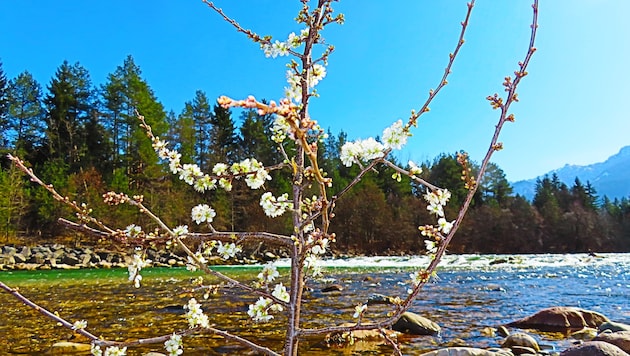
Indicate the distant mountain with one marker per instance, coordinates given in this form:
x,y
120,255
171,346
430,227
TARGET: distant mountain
x,y
610,178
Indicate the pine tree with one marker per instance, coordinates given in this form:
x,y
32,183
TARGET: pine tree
x,y
256,138
26,125
184,135
223,137
69,103
495,187
202,120
124,95
4,107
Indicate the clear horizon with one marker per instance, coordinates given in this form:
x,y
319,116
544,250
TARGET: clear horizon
x,y
385,62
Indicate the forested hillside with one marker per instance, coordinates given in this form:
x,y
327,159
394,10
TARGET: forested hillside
x,y
85,139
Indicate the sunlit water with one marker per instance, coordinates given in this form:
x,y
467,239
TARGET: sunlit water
x,y
470,294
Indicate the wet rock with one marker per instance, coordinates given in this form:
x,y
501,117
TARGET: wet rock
x,y
621,339
411,323
6,259
37,257
70,259
488,331
20,258
69,348
349,337
25,251
585,334
523,351
332,288
468,351
28,266
613,326
560,318
594,348
381,299
522,340
503,331
498,261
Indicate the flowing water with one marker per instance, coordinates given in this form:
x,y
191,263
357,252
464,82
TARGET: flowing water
x,y
472,292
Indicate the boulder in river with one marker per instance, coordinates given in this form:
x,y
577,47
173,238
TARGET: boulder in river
x,y
411,323
613,326
621,339
559,319
520,340
594,348
332,288
468,351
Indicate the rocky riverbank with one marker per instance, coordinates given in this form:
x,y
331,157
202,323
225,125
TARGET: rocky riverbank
x,y
57,256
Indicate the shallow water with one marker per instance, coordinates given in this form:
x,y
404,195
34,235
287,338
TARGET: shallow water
x,y
471,293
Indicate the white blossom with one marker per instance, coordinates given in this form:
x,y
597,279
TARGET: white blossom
x,y
413,168
220,169
133,230
96,350
228,250
280,129
180,231
444,225
281,293
431,246
317,73
189,173
268,274
195,315
174,345
273,206
79,325
359,310
364,150
203,213
115,351
259,310
134,267
312,263
395,136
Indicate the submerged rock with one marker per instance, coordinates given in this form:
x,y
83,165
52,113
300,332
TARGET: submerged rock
x,y
594,348
373,337
381,299
411,323
585,334
69,348
560,318
332,288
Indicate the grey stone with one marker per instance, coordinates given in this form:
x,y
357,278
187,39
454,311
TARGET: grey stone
x,y
613,326
594,348
520,339
560,318
411,323
467,351
621,339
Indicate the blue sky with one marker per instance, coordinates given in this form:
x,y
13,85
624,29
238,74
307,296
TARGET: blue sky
x,y
573,106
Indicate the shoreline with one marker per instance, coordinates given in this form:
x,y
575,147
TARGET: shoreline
x,y
57,256
61,257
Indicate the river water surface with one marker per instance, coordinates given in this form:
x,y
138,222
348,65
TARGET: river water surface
x,y
471,292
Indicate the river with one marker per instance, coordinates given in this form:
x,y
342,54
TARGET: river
x,y
470,293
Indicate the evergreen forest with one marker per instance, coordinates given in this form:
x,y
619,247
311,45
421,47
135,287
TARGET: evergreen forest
x,y
85,139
